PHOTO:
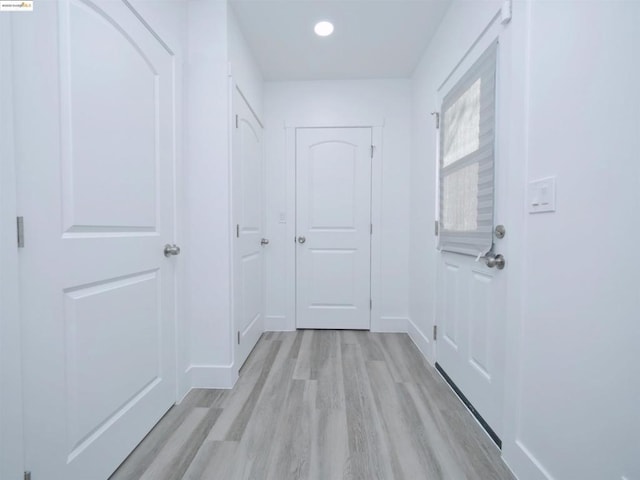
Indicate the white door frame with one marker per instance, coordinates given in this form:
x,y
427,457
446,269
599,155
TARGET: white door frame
x,y
377,126
11,429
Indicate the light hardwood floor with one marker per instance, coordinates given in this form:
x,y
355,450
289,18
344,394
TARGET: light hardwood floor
x,y
325,405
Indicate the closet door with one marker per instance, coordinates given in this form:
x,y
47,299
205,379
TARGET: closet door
x,y
95,155
249,244
333,223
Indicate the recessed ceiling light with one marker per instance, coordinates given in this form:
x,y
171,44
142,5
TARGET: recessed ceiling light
x,y
323,29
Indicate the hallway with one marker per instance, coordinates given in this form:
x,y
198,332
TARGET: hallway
x,y
321,404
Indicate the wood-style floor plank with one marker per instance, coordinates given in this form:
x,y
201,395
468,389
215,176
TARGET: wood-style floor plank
x,y
329,444
212,461
321,405
254,451
291,449
369,457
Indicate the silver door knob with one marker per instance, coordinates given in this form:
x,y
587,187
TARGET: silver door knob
x,y
171,250
264,241
301,239
492,260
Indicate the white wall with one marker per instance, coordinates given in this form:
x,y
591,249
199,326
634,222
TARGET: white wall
x,y
216,50
580,375
206,252
326,103
244,68
572,387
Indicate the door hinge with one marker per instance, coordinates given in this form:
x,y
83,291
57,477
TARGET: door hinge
x,y
237,121
436,228
373,147
435,332
437,115
370,304
238,337
20,226
27,475
371,228
237,230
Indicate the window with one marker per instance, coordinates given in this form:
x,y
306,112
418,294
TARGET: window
x,y
467,151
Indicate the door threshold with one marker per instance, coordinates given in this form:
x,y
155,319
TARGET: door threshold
x,y
470,407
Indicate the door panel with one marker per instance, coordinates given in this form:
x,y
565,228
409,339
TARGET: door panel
x,y
248,250
331,183
450,319
94,316
333,215
471,316
94,129
94,160
481,285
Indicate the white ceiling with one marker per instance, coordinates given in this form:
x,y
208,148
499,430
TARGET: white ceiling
x,y
372,38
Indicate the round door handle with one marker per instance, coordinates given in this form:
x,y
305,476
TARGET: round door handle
x,y
264,241
301,239
492,260
171,250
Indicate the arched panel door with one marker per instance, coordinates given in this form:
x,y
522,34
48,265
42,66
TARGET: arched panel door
x,y
333,224
248,246
95,154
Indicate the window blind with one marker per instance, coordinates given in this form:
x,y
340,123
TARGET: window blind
x,y
467,152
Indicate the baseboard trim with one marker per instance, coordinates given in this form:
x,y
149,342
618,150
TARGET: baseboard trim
x,y
420,340
276,323
211,376
390,325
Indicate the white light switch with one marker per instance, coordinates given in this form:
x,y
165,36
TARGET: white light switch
x,y
542,195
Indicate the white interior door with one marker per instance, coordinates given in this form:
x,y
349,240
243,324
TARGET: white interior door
x,y
471,297
333,224
94,126
249,244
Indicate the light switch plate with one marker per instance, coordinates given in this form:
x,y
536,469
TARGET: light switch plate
x,y
542,195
